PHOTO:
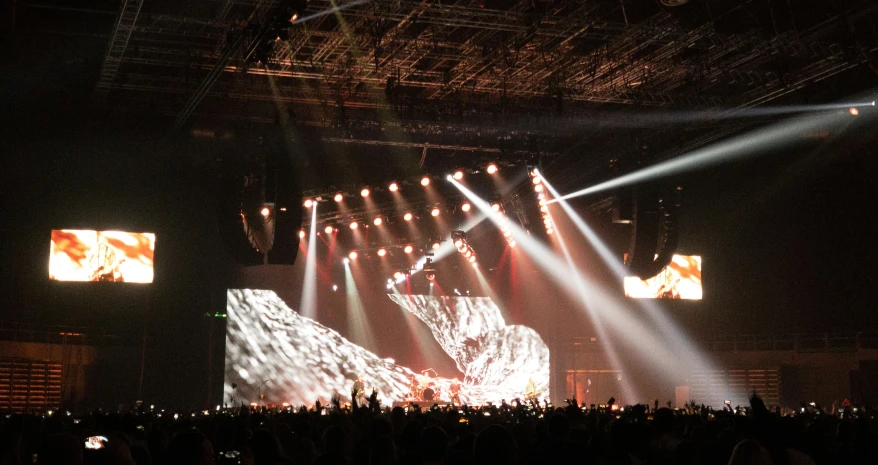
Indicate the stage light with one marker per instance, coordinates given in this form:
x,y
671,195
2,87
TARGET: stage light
x,y
425,181
458,175
338,197
301,234
382,252
458,243
265,211
377,221
538,188
542,202
398,275
495,207
408,249
472,258
393,187
492,168
436,245
854,111
537,179
466,207
354,225
407,216
475,265
346,261
309,203
550,231
544,208
365,192
353,255
467,253
512,244
328,230
435,212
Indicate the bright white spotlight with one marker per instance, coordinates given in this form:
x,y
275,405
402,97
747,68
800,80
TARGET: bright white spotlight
x,y
436,245
382,252
353,255
458,243
377,221
338,197
334,287
393,187
265,211
425,181
458,175
407,216
365,192
435,212
550,231
408,249
475,265
854,111
492,168
301,234
495,207
346,261
472,259
538,188
309,203
512,244
537,179
466,207
354,225
328,229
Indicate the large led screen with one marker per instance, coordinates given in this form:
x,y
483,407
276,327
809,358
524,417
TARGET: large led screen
x,y
679,280
304,361
107,256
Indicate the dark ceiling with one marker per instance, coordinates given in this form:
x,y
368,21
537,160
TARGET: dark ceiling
x,y
561,81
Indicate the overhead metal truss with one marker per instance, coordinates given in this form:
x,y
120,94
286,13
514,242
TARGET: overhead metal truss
x,y
391,60
119,43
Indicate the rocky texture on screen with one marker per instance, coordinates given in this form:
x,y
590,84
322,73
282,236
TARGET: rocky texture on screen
x,y
303,360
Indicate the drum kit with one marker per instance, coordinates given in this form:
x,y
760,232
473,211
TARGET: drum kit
x,y
424,390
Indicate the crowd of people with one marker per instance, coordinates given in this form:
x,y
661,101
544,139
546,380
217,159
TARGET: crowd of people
x,y
371,434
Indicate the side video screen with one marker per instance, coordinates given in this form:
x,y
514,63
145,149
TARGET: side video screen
x,y
679,280
101,256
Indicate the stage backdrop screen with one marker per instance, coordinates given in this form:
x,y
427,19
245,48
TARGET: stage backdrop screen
x,y
108,256
679,280
304,360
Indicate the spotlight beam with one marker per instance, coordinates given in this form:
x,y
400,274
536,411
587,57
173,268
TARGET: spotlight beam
x,y
308,304
623,323
653,310
603,337
358,323
740,147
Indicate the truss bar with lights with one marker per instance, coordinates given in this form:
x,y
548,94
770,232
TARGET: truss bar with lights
x,y
118,44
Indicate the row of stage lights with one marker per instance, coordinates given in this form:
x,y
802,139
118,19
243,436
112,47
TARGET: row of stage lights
x,y
548,222
462,246
394,186
435,212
